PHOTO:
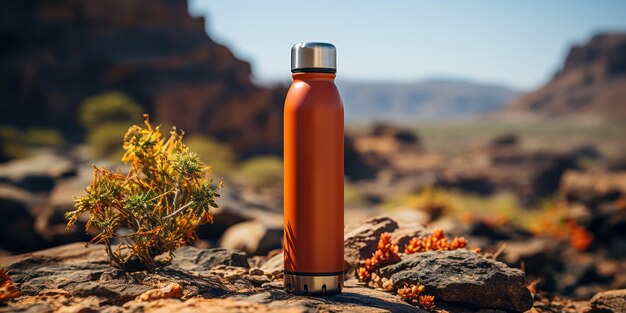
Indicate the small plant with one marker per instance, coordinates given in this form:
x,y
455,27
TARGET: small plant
x,y
155,207
104,140
387,254
353,197
436,241
414,294
106,117
17,143
411,293
433,201
218,154
427,302
262,172
7,288
554,221
580,238
107,108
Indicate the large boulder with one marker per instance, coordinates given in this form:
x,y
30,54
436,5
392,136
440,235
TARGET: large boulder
x,y
17,220
37,173
360,242
463,276
51,223
597,201
593,188
612,301
361,239
202,260
254,237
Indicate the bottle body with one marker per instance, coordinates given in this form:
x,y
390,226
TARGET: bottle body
x,y
313,194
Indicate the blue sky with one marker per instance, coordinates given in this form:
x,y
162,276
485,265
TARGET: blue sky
x,y
516,43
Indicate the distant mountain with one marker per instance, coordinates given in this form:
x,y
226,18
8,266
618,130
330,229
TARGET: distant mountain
x,y
426,100
591,83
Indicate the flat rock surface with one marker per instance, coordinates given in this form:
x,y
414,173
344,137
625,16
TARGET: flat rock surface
x,y
73,278
612,301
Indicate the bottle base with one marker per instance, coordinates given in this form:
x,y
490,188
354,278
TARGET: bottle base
x,y
312,284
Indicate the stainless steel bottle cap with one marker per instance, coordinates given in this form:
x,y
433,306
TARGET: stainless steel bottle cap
x,y
314,57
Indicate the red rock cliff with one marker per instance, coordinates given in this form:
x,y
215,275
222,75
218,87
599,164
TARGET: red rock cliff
x,y
592,82
57,52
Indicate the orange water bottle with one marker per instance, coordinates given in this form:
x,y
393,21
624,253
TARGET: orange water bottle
x,y
313,156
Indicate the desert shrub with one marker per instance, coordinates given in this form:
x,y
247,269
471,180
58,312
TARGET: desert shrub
x,y
263,171
106,118
107,108
42,137
438,202
104,140
551,218
435,202
352,197
155,207
16,143
10,143
210,151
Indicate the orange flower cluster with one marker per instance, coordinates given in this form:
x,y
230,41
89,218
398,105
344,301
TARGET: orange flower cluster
x,y
427,302
580,238
7,288
436,241
413,294
386,254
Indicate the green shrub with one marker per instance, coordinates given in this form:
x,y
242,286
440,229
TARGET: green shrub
x,y
104,140
352,197
437,202
156,207
10,144
107,108
210,151
263,171
15,143
42,137
106,118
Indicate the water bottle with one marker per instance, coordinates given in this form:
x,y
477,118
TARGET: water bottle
x,y
313,159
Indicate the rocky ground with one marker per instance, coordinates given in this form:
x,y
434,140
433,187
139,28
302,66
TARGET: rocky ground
x,y
75,278
72,278
237,264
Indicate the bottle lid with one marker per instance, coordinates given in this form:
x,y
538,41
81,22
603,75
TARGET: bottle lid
x,y
318,57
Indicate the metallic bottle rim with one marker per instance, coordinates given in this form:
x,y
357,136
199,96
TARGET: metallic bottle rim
x,y
313,284
314,57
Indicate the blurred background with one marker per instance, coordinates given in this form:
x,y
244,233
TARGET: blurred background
x,y
503,122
